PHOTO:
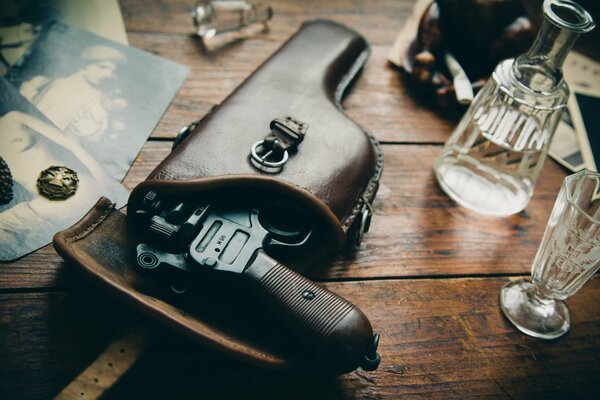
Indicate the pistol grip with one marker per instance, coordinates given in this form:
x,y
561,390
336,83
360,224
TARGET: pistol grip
x,y
336,330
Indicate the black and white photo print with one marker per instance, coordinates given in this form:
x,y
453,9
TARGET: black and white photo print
x,y
29,145
105,96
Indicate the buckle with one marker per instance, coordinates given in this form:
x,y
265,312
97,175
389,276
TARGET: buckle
x,y
273,152
263,159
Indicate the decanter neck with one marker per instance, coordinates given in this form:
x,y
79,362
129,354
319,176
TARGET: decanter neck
x,y
540,68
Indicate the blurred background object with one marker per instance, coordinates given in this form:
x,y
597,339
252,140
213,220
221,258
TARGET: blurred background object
x,y
478,34
220,22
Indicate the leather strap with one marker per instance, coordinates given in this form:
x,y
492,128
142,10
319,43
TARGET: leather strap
x,y
118,357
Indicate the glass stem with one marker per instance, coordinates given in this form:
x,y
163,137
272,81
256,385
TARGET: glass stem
x,y
542,298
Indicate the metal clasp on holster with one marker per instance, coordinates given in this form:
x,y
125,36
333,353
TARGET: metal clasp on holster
x,y
363,222
270,154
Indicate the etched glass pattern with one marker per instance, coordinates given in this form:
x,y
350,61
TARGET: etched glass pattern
x,y
492,160
568,256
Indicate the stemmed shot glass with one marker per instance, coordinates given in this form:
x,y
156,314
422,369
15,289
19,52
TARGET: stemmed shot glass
x,y
568,256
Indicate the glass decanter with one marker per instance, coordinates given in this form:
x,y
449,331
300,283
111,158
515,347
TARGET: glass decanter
x,y
492,160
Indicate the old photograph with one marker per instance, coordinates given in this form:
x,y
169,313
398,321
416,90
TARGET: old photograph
x,y
47,180
566,147
22,20
105,96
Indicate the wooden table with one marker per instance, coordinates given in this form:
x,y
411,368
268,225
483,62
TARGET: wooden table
x,y
427,274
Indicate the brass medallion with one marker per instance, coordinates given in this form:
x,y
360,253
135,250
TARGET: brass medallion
x,y
57,182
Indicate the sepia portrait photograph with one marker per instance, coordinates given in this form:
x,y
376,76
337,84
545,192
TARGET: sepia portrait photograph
x,y
98,92
22,20
33,209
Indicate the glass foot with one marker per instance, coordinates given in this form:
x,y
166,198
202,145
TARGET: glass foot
x,y
546,319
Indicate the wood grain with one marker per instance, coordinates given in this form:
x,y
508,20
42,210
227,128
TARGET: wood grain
x,y
379,19
427,274
416,231
380,101
440,338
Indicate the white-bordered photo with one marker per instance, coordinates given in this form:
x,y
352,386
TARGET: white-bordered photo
x,y
576,144
30,144
22,20
566,146
105,96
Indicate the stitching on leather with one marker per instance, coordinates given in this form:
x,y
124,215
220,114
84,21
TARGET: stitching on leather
x,y
368,193
93,226
358,64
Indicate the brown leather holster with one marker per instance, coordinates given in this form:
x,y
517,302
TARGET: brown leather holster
x,y
287,109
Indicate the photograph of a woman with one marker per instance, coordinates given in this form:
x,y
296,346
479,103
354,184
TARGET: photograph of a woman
x,y
22,20
29,144
86,115
105,96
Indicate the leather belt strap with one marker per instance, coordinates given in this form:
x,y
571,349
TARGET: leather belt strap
x,y
125,349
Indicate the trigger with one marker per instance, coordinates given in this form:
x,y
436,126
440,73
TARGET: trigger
x,y
287,239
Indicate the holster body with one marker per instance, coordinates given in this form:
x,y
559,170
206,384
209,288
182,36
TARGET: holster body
x,y
332,173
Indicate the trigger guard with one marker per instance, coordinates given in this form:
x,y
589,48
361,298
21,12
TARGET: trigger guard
x,y
275,242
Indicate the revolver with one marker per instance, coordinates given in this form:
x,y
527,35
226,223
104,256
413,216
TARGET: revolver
x,y
237,240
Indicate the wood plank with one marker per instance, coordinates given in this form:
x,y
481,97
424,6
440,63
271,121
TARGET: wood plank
x,y
381,20
442,338
380,101
416,231
46,338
